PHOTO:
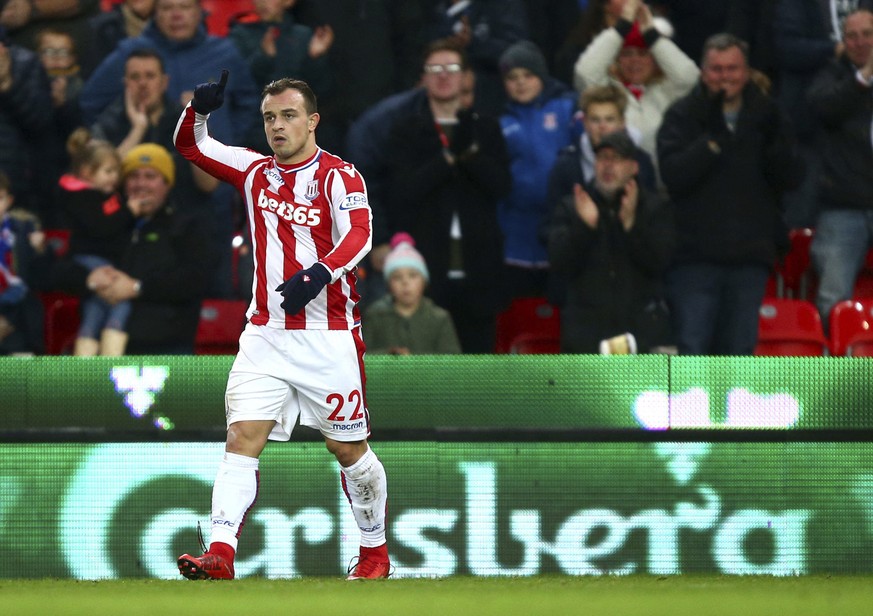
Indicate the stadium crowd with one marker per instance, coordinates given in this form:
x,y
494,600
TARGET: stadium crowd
x,y
636,167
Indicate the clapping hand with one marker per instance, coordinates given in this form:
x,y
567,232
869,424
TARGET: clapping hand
x,y
585,206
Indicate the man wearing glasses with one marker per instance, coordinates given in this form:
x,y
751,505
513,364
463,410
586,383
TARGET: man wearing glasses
x,y
449,168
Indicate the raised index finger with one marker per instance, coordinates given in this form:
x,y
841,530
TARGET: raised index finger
x,y
222,81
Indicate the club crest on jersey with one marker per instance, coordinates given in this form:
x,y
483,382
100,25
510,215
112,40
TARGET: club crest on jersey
x,y
311,190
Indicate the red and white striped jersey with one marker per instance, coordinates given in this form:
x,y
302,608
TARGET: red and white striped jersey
x,y
314,211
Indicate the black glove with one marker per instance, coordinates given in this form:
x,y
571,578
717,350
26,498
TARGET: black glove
x,y
303,287
209,96
715,125
464,134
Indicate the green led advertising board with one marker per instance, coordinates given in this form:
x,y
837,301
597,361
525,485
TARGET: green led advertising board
x,y
100,511
154,394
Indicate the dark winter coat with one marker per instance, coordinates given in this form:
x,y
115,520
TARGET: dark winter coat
x,y
171,254
845,110
426,192
614,277
728,202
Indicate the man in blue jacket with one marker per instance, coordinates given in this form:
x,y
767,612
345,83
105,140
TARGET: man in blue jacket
x,y
190,56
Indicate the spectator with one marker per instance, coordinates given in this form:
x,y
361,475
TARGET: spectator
x,y
25,119
178,33
649,66
727,153
602,113
367,146
24,18
484,29
376,53
405,322
57,52
100,225
449,169
23,262
806,37
612,241
162,270
126,19
146,114
537,124
276,46
190,56
842,98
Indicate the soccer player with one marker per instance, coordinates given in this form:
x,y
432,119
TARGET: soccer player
x,y
301,353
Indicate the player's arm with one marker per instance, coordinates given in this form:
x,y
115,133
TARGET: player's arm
x,y
353,219
192,139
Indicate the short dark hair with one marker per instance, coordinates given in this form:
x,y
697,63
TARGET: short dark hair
x,y
723,41
446,44
146,53
5,182
287,83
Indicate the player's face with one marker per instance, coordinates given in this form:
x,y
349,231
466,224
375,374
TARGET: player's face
x,y
601,119
148,185
612,171
145,81
178,19
522,86
858,37
407,286
289,128
727,70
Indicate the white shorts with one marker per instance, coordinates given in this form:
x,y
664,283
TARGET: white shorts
x,y
316,375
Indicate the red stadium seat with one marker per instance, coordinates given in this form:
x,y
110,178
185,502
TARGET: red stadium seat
x,y
790,327
220,13
851,323
532,316
58,240
535,344
61,322
221,322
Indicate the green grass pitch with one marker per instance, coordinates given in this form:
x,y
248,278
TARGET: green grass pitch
x,y
692,595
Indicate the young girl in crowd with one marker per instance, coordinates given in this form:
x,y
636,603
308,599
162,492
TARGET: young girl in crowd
x,y
100,224
404,321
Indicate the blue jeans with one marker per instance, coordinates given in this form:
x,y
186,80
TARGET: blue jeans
x,y
96,314
715,307
840,244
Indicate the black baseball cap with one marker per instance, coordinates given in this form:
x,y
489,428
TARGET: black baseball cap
x,y
619,141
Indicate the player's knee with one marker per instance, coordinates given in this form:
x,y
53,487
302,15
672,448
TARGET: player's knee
x,y
247,438
346,453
